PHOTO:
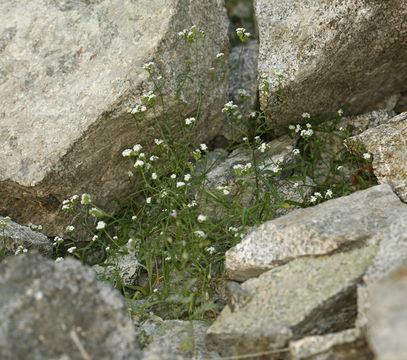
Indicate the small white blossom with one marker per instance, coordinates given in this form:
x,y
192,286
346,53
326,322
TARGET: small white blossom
x,y
340,112
74,197
134,217
100,225
180,184
220,55
107,248
253,114
58,240
295,185
202,218
296,151
341,128
158,141
70,228
130,173
306,115
71,249
148,200
154,176
211,250
187,177
245,138
339,168
367,156
313,199
127,152
242,34
328,194
85,199
59,259
137,148
96,212
318,195
138,109
148,66
95,237
291,127
150,96
192,204
190,120
200,234
229,106
203,147
263,147
153,158
138,163
20,250
308,125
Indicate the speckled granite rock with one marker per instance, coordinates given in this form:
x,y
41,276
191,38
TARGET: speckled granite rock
x,y
345,345
331,53
391,255
387,326
14,235
388,145
307,296
59,311
362,217
70,72
176,339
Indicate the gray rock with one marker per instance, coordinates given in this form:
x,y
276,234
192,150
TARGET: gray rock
x,y
388,145
70,72
13,235
401,105
331,54
176,339
362,217
307,296
387,327
59,311
391,255
345,345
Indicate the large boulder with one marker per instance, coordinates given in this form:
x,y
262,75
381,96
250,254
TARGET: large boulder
x,y
70,73
308,296
55,310
331,54
363,217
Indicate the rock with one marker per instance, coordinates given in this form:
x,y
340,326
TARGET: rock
x,y
388,145
307,296
59,311
71,71
391,255
360,218
13,236
387,326
330,54
176,339
401,105
345,345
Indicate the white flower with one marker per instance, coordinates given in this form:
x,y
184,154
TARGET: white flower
x,y
85,199
220,55
340,112
138,109
318,194
339,168
366,156
127,152
154,158
96,212
306,115
137,148
58,240
148,200
134,217
229,106
253,114
187,177
224,189
296,151
190,120
150,96
154,176
20,249
168,258
74,197
211,250
158,141
245,138
203,147
95,237
107,248
308,125
242,33
59,259
233,229
200,234
100,225
328,194
306,133
295,185
148,66
142,155
139,163
180,184
291,127
173,176
130,173
243,93
341,128
313,199
71,249
70,228
192,204
202,218
263,147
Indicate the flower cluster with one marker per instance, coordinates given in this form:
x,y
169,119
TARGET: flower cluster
x,y
242,34
304,133
138,109
224,189
242,169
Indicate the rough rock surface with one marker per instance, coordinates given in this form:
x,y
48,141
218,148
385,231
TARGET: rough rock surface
x,y
175,339
386,331
362,217
391,255
388,145
14,235
70,72
331,53
307,296
59,311
345,345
